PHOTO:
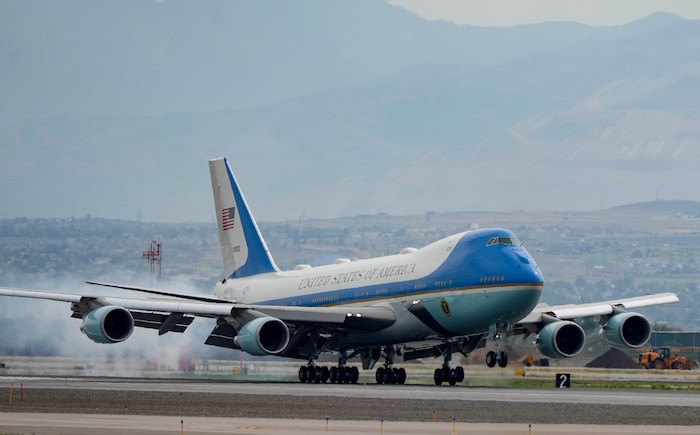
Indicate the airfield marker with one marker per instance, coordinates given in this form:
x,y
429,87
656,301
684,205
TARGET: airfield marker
x,y
434,415
381,426
182,427
126,410
10,394
454,425
21,392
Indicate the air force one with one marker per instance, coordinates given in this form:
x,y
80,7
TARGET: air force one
x,y
457,294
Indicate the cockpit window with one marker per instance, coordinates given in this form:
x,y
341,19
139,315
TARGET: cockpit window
x,y
503,241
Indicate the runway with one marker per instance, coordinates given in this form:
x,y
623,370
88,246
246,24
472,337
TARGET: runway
x,y
75,405
372,391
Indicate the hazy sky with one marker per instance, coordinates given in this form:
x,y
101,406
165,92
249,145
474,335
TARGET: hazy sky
x,y
515,12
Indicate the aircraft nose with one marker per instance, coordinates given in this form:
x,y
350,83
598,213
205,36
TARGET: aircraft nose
x,y
523,258
530,270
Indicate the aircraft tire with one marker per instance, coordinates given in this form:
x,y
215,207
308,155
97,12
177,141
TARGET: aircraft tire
x,y
437,376
491,359
325,374
379,375
354,375
402,376
388,376
453,377
342,375
503,360
446,374
303,374
459,371
312,374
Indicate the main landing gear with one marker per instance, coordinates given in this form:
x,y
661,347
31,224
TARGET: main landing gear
x,y
389,374
342,374
445,373
322,374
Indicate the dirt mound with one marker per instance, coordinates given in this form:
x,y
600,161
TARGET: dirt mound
x,y
613,359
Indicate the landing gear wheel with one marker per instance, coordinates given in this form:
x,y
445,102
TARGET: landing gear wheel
x,y
453,377
342,374
459,373
311,377
303,374
354,375
388,376
379,375
333,375
503,360
437,376
401,376
446,374
393,376
325,374
491,359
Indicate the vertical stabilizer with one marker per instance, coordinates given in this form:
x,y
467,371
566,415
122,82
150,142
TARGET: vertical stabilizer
x,y
243,248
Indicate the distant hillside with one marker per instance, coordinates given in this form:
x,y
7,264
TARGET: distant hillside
x,y
337,109
686,208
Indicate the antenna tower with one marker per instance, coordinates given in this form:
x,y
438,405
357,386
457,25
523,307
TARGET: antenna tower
x,y
153,257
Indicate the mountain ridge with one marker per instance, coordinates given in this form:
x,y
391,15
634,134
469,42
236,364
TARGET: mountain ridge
x,y
410,116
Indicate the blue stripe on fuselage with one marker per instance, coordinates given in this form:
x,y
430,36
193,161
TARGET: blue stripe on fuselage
x,y
470,265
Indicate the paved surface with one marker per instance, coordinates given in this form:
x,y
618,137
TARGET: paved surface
x,y
62,424
648,397
89,405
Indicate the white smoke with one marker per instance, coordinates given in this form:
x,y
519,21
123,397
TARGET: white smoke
x,y
35,327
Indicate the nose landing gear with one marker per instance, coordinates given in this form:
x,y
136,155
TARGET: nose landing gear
x,y
498,357
493,358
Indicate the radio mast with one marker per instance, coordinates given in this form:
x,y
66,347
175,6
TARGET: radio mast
x,y
153,257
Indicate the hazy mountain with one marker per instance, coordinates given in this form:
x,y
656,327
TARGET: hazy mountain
x,y
337,108
136,57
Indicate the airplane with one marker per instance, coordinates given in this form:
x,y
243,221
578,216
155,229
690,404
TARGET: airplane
x,y
460,293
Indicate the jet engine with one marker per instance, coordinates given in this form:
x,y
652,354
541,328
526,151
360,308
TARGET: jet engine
x,y
627,330
108,324
263,336
562,338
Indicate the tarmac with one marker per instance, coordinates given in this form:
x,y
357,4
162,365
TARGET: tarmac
x,y
84,424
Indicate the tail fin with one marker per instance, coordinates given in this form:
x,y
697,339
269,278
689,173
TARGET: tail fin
x,y
243,248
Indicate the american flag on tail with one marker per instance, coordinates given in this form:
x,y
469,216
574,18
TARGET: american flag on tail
x,y
227,218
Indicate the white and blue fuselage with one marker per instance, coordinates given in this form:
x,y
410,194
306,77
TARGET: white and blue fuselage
x,y
460,285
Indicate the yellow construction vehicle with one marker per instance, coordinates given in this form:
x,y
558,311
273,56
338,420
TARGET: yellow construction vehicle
x,y
660,358
530,361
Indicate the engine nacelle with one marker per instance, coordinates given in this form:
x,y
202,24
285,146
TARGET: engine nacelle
x,y
108,324
627,330
561,339
263,336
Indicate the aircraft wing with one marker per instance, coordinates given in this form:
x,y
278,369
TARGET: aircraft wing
x,y
359,318
572,311
351,318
